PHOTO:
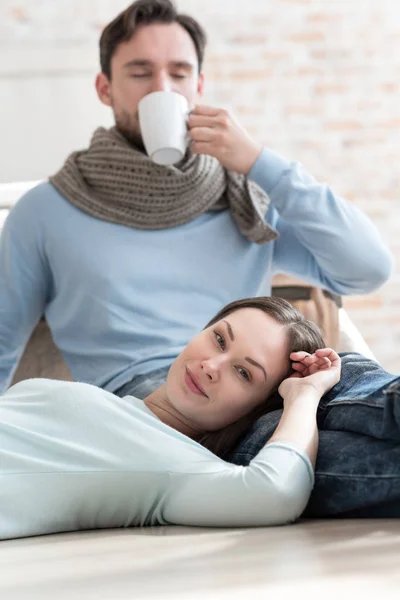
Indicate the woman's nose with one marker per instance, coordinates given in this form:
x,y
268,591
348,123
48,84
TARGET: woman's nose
x,y
211,367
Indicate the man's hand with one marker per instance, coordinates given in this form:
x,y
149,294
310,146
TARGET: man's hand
x,y
214,131
319,371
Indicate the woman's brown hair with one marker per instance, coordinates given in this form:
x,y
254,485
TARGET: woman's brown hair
x,y
301,335
147,12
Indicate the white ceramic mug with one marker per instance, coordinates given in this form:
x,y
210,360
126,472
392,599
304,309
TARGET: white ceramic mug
x,y
162,118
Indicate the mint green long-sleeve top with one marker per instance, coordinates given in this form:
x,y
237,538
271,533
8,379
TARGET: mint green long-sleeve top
x,y
74,456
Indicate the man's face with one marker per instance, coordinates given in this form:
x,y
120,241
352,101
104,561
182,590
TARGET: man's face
x,y
157,58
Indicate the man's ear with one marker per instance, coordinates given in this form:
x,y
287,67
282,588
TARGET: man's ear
x,y
200,85
103,89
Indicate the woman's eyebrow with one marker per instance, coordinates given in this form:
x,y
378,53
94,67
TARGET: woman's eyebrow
x,y
230,331
256,364
250,360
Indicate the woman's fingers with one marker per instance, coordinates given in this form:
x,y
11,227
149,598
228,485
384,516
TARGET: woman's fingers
x,y
298,366
331,354
319,367
307,364
308,359
299,355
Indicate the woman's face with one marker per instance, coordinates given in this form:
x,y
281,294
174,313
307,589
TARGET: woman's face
x,y
228,369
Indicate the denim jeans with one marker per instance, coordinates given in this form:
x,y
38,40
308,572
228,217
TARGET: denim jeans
x,y
358,466
143,385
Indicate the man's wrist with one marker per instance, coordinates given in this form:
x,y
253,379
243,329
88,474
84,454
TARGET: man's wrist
x,y
251,157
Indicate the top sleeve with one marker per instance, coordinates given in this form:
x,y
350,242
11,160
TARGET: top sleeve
x,y
23,284
274,489
324,239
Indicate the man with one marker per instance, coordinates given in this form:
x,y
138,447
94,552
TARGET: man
x,y
127,260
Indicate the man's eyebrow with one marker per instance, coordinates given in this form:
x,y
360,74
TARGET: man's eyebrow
x,y
256,364
138,62
182,64
143,62
230,331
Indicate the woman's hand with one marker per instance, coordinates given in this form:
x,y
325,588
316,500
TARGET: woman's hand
x,y
317,372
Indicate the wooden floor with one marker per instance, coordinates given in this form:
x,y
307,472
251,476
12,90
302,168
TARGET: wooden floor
x,y
325,559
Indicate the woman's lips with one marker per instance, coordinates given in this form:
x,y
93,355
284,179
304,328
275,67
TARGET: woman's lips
x,y
193,383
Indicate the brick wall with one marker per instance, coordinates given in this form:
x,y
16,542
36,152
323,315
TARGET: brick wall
x,y
317,81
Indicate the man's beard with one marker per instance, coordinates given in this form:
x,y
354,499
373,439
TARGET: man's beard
x,y
128,125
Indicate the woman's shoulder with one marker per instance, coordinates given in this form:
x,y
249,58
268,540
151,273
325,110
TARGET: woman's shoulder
x,y
51,395
44,386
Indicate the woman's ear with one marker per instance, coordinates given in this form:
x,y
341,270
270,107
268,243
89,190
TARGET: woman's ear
x,y
103,89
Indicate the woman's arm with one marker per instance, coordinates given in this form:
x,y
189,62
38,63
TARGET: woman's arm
x,y
275,488
314,375
298,424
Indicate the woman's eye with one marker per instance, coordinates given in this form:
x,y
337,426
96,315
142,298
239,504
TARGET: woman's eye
x,y
176,76
243,373
220,340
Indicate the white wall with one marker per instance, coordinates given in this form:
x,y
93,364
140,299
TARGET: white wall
x,y
48,107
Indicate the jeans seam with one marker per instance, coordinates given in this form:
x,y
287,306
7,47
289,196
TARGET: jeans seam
x,y
334,403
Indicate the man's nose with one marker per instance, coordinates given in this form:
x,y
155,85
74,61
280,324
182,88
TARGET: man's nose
x,y
161,82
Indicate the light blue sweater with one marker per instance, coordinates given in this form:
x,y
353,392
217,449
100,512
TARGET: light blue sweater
x,y
73,456
122,302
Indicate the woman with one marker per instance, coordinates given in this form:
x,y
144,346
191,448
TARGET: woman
x,y
74,456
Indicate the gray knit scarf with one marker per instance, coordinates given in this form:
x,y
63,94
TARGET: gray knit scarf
x,y
114,181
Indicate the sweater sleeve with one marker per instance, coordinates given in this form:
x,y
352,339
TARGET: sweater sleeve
x,y
324,239
23,284
273,490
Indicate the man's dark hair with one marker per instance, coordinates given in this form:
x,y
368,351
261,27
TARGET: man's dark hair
x,y
146,12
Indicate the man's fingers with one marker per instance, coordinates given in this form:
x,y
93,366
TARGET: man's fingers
x,y
203,109
201,121
202,148
202,134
